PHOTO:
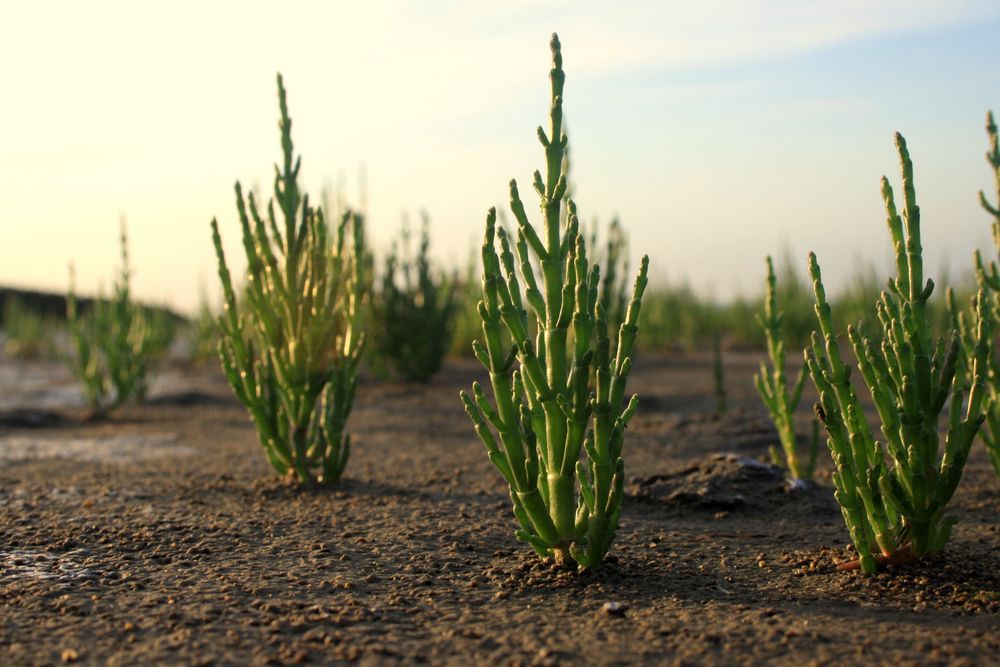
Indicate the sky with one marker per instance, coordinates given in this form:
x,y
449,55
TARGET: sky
x,y
717,131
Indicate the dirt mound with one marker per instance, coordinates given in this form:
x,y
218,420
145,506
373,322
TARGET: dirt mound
x,y
727,482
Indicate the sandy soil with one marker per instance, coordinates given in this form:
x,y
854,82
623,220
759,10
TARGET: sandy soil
x,y
162,537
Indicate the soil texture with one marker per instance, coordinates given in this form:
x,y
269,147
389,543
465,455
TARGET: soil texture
x,y
161,536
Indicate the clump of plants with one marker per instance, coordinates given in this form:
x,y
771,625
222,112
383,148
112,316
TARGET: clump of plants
x,y
415,310
894,494
540,339
780,399
291,350
27,333
115,342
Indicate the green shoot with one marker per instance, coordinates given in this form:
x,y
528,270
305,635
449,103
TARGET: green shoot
x,y
547,411
291,351
719,375
772,385
895,509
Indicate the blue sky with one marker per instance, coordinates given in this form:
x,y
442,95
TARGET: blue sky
x,y
718,131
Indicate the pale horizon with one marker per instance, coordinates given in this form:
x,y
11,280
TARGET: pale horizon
x,y
717,132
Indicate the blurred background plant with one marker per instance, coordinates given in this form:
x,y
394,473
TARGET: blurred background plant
x,y
988,279
28,333
414,312
203,333
115,342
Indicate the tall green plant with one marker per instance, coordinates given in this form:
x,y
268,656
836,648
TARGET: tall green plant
x,y
772,385
415,311
115,342
895,509
291,354
988,278
546,411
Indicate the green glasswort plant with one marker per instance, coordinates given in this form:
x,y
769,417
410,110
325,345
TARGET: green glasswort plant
x,y
988,278
896,511
115,342
772,385
291,354
965,325
415,310
547,411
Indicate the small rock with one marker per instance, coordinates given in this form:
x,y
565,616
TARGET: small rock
x,y
614,608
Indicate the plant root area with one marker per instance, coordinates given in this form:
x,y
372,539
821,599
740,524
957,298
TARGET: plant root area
x,y
161,536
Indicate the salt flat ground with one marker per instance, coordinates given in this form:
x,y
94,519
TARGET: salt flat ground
x,y
161,536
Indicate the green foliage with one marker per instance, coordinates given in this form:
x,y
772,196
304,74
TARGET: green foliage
x,y
28,335
676,318
896,510
547,411
772,385
291,351
415,311
115,342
